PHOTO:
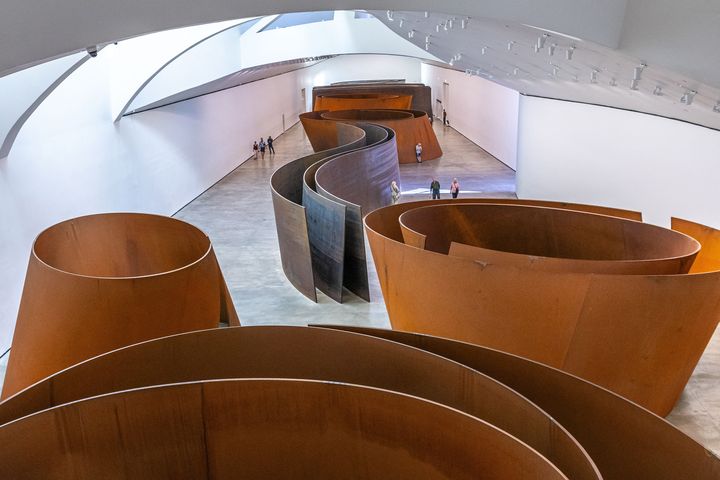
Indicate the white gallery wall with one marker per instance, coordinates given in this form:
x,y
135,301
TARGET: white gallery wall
x,y
583,153
71,159
483,111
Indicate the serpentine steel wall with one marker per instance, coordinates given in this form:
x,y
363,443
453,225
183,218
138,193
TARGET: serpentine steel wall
x,y
607,299
101,282
218,404
420,93
410,126
321,235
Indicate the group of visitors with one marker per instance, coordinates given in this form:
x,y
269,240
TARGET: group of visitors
x,y
262,146
434,189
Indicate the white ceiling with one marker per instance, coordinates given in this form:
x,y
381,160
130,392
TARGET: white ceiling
x,y
543,63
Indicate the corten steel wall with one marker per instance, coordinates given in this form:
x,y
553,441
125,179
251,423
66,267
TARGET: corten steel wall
x,y
291,219
249,429
322,241
198,425
362,101
325,134
410,126
421,94
626,441
309,353
101,282
640,335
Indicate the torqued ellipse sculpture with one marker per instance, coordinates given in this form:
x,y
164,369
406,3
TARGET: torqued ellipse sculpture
x,y
306,402
101,282
615,301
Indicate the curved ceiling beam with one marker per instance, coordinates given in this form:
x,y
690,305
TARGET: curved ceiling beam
x,y
71,26
8,133
137,91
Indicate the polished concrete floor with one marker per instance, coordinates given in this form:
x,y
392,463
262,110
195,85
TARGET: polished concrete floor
x,y
237,215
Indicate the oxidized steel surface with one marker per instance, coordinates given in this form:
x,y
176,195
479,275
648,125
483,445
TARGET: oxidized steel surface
x,y
290,215
351,101
421,94
626,441
639,335
250,429
308,353
410,126
101,282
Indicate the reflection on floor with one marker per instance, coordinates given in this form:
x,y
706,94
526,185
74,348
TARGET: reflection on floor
x,y
237,214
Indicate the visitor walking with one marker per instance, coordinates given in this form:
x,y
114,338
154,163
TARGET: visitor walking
x,y
270,146
255,149
418,152
262,148
435,188
394,192
455,188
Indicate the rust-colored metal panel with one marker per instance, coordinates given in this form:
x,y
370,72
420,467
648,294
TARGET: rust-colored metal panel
x,y
101,282
420,93
362,101
308,353
321,133
286,184
410,126
249,429
638,335
709,257
550,238
626,441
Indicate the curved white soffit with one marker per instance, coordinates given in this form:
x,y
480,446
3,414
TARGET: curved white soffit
x,y
24,91
34,32
221,28
224,55
564,68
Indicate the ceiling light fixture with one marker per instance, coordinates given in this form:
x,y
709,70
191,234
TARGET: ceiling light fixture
x,y
569,52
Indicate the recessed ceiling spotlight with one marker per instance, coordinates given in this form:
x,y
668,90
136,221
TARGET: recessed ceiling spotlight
x,y
569,52
510,45
551,49
390,15
658,91
634,83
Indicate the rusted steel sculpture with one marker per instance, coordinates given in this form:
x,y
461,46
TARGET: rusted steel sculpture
x,y
362,101
248,402
636,324
420,93
250,429
101,282
410,126
320,232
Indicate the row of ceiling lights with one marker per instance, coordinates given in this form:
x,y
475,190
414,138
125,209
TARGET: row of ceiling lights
x,y
446,25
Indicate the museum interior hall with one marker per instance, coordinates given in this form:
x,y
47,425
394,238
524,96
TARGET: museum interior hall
x,y
320,239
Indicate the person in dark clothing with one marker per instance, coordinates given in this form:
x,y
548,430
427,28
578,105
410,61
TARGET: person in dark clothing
x,y
435,188
270,145
262,148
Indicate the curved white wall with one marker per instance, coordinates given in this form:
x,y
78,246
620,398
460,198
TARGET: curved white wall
x,y
583,153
